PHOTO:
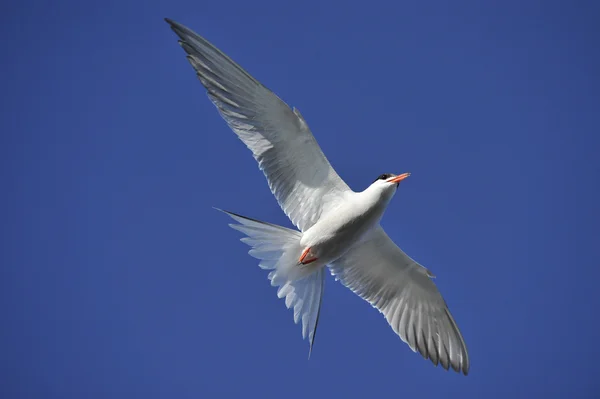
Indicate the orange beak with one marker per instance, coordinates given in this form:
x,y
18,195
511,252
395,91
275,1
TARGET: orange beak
x,y
398,179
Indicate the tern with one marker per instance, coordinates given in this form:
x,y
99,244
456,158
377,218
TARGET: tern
x,y
338,229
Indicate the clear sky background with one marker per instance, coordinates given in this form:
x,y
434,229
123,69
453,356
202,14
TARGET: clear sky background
x,y
119,280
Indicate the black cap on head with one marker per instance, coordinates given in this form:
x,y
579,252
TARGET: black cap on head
x,y
384,176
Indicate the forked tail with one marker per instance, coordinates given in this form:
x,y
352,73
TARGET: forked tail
x,y
278,249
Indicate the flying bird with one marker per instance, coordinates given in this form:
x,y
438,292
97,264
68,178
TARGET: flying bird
x,y
338,229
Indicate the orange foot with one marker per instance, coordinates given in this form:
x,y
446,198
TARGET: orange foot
x,y
303,259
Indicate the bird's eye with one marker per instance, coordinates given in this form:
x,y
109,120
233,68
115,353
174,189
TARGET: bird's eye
x,y
384,176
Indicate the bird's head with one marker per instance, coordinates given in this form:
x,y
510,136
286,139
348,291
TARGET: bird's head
x,y
388,182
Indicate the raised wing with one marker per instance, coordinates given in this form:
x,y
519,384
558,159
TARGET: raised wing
x,y
298,172
382,274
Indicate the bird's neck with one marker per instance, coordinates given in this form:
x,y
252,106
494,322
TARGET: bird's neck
x,y
373,202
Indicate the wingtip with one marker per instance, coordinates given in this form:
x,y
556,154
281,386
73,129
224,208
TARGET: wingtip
x,y
226,212
175,26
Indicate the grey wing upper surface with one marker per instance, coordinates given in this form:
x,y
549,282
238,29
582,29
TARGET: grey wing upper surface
x,y
298,173
381,273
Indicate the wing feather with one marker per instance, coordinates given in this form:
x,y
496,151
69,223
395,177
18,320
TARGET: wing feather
x,y
382,274
299,175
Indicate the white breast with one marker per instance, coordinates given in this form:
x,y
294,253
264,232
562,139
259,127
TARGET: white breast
x,y
341,228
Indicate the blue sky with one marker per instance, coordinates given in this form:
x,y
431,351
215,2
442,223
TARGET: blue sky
x,y
119,280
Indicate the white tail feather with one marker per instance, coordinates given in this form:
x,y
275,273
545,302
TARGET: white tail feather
x,y
278,249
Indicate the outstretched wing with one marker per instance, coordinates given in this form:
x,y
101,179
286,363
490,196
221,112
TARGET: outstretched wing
x,y
298,172
382,274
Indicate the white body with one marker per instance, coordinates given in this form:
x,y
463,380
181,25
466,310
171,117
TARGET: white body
x,y
345,225
340,227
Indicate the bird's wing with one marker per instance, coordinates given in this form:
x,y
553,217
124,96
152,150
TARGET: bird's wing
x,y
298,172
382,274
